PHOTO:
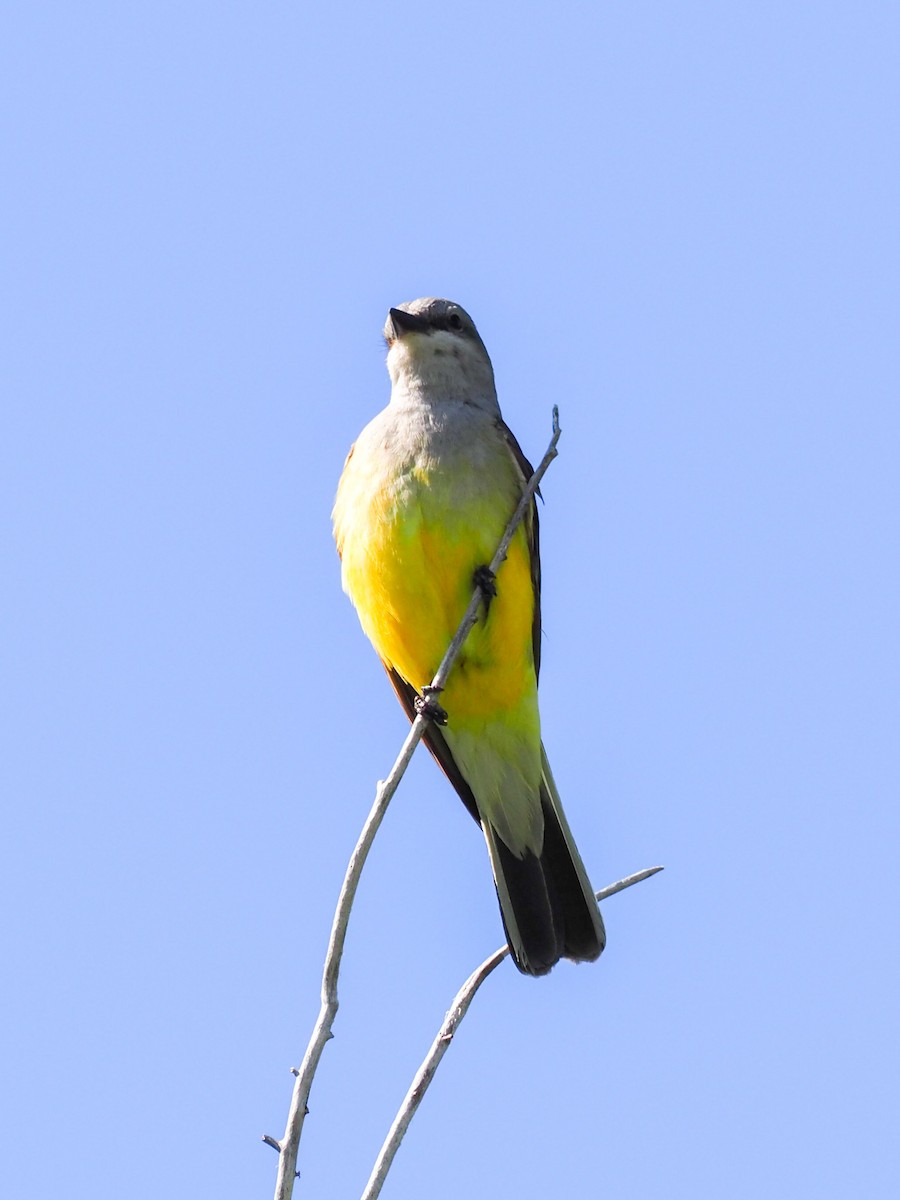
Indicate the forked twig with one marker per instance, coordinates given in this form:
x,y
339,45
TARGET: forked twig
x,y
440,1045
289,1144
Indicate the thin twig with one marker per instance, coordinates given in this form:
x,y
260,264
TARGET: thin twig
x,y
289,1144
441,1043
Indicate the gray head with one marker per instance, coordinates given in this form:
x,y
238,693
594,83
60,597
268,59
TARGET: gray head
x,y
435,354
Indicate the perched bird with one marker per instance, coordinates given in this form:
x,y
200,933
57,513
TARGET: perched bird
x,y
425,496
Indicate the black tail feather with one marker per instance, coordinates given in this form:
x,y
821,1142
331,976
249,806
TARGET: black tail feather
x,y
546,902
531,920
583,934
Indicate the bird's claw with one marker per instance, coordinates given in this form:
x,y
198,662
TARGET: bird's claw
x,y
426,705
486,582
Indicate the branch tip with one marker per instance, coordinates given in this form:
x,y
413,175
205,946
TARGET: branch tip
x,y
452,1021
273,1142
627,882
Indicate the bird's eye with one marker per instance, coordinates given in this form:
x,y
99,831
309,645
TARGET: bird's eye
x,y
455,321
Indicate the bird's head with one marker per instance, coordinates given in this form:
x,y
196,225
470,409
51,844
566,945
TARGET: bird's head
x,y
435,353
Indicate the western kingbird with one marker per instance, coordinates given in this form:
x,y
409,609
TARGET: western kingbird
x,y
426,494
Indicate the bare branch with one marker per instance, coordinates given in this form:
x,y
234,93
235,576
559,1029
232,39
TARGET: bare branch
x,y
458,1009
289,1144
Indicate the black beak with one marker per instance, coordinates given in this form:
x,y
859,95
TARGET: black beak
x,y
404,322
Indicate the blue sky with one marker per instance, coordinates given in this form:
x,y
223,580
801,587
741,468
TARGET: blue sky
x,y
678,222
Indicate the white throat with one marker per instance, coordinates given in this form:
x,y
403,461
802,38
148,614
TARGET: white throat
x,y
440,368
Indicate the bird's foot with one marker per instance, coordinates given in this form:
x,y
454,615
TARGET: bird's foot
x,y
426,705
486,582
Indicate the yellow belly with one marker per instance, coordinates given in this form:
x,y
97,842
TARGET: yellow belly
x,y
408,566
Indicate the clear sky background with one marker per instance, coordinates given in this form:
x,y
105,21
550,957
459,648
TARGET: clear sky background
x,y
680,223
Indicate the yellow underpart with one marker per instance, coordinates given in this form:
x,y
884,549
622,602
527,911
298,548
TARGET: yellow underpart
x,y
410,548
409,559
411,589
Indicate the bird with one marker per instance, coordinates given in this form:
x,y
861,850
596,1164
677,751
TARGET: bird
x,y
425,495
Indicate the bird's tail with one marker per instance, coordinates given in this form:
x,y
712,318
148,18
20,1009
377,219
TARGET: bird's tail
x,y
547,903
